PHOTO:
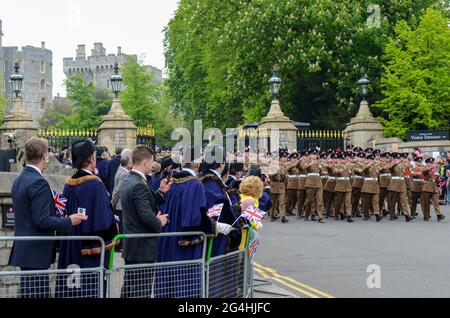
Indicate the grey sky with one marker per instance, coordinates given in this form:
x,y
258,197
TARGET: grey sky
x,y
135,25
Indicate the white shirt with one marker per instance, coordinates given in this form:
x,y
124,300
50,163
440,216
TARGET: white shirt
x,y
216,173
140,173
220,177
87,171
192,172
35,168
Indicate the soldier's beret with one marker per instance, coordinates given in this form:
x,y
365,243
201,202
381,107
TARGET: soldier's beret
x,y
360,155
429,160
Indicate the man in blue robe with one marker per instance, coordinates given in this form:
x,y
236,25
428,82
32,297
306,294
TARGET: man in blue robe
x,y
102,166
186,207
215,193
85,194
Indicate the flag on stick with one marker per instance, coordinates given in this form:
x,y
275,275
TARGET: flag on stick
x,y
60,203
216,210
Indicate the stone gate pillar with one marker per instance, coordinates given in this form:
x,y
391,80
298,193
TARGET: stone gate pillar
x,y
17,119
364,130
117,129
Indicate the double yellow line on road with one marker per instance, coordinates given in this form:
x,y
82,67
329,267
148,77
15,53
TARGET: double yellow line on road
x,y
272,274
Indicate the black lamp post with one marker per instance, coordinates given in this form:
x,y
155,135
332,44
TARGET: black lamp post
x,y
16,79
363,83
275,84
116,81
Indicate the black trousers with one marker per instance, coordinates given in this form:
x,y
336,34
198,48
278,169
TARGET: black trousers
x,y
34,286
138,282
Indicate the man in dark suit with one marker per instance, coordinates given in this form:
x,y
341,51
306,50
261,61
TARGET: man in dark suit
x,y
34,213
141,215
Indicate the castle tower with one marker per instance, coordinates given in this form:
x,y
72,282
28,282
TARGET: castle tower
x,y
2,64
36,65
99,66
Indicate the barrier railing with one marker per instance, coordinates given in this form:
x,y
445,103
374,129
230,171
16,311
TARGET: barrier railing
x,y
225,276
173,279
71,282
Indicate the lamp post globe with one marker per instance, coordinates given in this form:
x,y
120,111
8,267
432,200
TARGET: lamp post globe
x,y
116,81
16,79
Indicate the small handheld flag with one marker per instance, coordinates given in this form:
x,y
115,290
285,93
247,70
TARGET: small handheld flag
x,y
215,210
253,214
60,203
254,244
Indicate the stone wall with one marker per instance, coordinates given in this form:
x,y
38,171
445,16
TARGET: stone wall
x,y
98,67
426,147
2,65
36,66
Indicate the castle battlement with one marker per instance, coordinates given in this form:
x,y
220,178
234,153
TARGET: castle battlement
x,y
99,66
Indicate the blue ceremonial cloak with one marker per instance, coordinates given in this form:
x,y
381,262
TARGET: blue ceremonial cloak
x,y
156,182
265,202
185,204
87,192
215,194
111,170
102,167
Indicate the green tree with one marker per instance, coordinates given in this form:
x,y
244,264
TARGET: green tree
x,y
220,55
88,105
417,75
147,102
51,116
138,97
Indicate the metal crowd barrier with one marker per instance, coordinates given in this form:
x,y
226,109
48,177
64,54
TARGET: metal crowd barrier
x,y
225,276
175,279
73,282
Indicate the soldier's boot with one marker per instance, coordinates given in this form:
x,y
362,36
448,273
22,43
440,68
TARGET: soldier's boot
x,y
313,217
407,218
440,217
342,217
379,217
336,217
321,221
284,220
349,219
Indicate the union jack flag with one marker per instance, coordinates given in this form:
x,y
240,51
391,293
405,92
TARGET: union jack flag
x,y
253,245
253,214
60,203
215,210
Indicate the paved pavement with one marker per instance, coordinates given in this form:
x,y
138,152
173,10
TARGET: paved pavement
x,y
310,259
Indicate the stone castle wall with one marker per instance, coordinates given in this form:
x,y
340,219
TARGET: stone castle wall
x,y
98,67
36,66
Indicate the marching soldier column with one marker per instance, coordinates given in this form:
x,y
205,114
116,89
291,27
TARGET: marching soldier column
x,y
345,183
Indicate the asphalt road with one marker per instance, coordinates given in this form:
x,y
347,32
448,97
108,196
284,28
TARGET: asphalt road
x,y
331,260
